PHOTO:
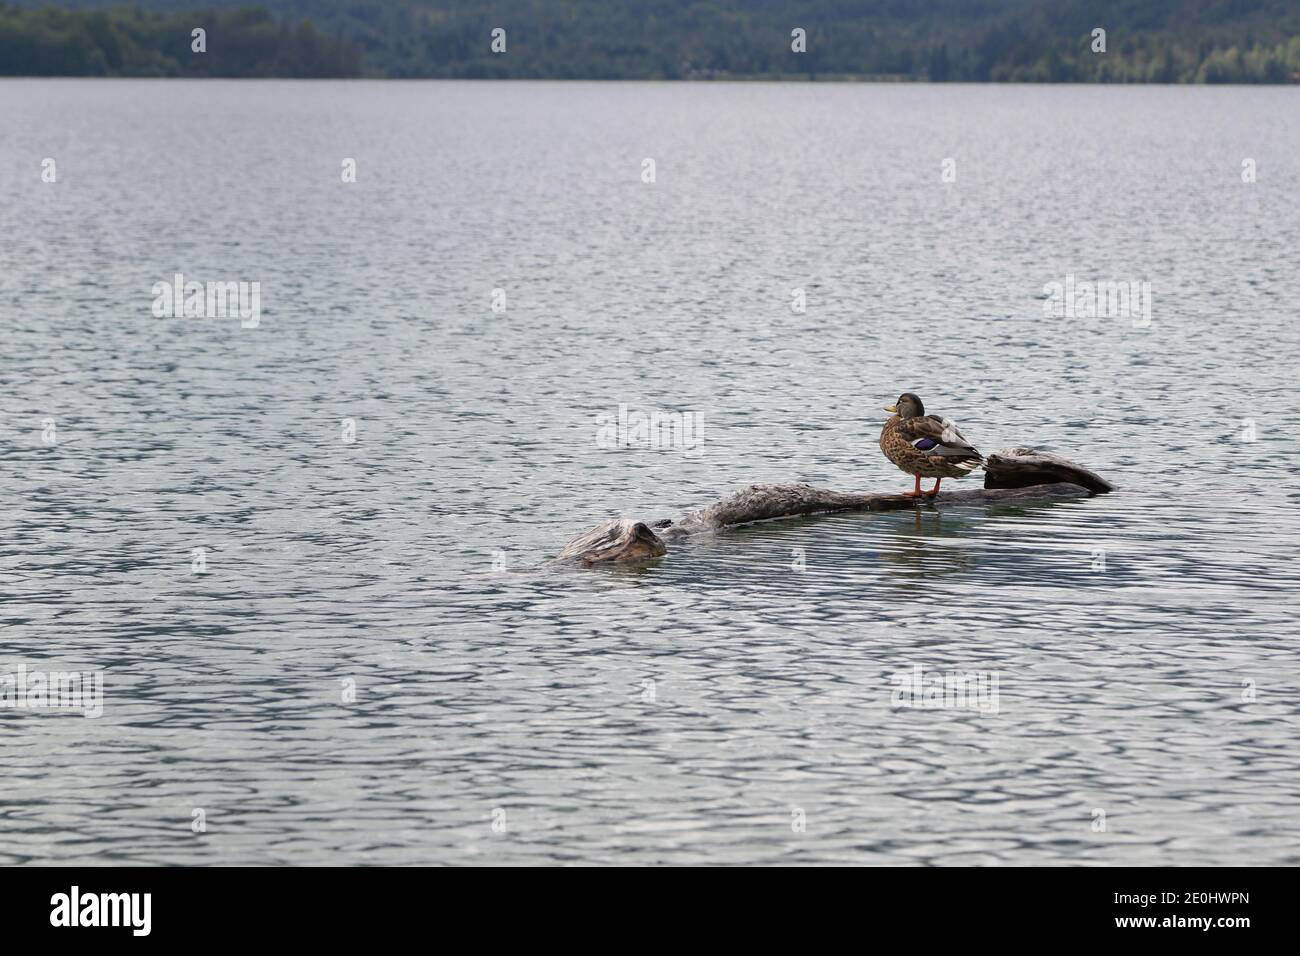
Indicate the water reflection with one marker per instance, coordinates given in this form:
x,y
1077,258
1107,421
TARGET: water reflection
x,y
376,658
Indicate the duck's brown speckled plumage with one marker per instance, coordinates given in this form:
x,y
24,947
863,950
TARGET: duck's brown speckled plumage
x,y
926,445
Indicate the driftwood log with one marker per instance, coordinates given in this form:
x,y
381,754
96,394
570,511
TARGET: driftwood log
x,y
1012,475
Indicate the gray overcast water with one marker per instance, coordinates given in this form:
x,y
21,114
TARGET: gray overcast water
x,y
717,706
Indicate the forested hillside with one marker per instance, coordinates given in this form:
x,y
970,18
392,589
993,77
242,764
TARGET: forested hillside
x,y
243,42
1164,41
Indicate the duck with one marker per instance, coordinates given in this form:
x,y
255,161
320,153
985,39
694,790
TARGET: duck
x,y
926,445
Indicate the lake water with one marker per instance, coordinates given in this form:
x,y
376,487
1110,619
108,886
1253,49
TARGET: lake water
x,y
375,665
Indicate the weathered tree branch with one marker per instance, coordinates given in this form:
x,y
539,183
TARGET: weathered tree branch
x,y
1012,475
1022,467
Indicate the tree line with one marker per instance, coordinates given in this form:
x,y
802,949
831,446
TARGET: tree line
x,y
245,42
1158,41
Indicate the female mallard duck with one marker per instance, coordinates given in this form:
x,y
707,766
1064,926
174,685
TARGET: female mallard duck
x,y
926,445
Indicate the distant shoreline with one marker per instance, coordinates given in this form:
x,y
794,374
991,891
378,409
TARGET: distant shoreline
x,y
1173,42
761,79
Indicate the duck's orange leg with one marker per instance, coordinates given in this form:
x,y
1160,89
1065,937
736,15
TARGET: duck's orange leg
x,y
933,491
915,492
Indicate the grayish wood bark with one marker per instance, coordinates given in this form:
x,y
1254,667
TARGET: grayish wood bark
x,y
1013,475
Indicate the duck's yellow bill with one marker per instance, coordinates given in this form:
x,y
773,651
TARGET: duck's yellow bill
x,y
890,408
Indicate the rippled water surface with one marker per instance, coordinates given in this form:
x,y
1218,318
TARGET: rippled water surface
x,y
376,666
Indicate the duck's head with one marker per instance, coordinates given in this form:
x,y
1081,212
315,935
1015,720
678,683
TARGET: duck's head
x,y
908,406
